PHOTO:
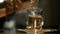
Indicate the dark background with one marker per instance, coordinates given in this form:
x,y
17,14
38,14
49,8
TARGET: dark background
x,y
50,13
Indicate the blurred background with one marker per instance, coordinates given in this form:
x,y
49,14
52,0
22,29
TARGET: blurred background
x,y
50,13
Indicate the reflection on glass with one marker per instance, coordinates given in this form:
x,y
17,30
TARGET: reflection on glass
x,y
35,21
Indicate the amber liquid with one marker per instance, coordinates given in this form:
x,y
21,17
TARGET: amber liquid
x,y
32,20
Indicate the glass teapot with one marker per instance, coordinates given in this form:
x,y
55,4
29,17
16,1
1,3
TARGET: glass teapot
x,y
35,20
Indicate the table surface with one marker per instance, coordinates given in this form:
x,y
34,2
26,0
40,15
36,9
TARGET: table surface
x,y
29,31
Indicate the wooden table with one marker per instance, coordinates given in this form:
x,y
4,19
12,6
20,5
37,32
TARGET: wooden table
x,y
32,31
29,31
